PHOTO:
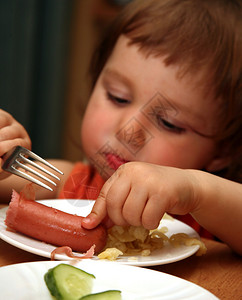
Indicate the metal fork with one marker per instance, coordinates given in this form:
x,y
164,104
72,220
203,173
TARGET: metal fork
x,y
16,162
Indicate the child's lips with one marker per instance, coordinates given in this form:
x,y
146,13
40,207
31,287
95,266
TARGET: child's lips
x,y
114,160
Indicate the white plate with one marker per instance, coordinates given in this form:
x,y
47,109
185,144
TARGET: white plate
x,y
166,255
26,281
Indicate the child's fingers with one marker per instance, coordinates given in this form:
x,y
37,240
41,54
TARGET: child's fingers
x,y
99,210
13,135
13,131
107,222
8,145
134,205
107,205
97,214
154,210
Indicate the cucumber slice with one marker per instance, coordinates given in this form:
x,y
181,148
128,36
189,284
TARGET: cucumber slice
x,y
66,282
107,295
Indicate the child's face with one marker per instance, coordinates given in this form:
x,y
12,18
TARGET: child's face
x,y
141,111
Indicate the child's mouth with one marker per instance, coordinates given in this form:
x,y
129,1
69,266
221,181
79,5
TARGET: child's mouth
x,y
114,161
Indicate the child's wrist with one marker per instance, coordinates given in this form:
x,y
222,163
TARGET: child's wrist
x,y
197,186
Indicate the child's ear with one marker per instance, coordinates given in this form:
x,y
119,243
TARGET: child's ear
x,y
218,163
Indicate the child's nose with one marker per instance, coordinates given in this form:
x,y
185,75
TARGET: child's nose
x,y
133,134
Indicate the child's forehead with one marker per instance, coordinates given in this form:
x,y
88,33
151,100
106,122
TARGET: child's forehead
x,y
177,96
124,49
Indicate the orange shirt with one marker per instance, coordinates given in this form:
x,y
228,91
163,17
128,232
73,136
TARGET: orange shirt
x,y
84,182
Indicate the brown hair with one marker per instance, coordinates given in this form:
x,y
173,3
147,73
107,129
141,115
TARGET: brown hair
x,y
196,34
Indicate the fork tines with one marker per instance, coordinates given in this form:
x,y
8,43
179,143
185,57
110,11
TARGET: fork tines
x,y
18,161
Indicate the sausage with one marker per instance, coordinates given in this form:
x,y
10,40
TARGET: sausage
x,y
52,226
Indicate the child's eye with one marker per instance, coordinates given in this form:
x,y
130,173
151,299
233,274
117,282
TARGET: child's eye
x,y
168,126
117,100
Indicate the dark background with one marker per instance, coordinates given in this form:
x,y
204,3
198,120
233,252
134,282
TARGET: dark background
x,y
33,50
45,50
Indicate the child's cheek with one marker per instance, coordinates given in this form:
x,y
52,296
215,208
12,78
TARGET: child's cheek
x,y
86,137
91,136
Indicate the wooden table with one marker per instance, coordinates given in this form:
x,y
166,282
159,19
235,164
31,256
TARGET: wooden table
x,y
219,271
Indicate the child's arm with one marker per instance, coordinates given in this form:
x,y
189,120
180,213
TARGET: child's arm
x,y
219,208
12,133
140,193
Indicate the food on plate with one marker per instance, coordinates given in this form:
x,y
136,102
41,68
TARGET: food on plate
x,y
67,282
110,254
179,239
52,226
133,240
68,252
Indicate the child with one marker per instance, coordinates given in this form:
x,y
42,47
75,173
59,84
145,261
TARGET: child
x,y
165,104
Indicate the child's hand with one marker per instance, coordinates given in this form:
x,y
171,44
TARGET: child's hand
x,y
12,133
140,193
